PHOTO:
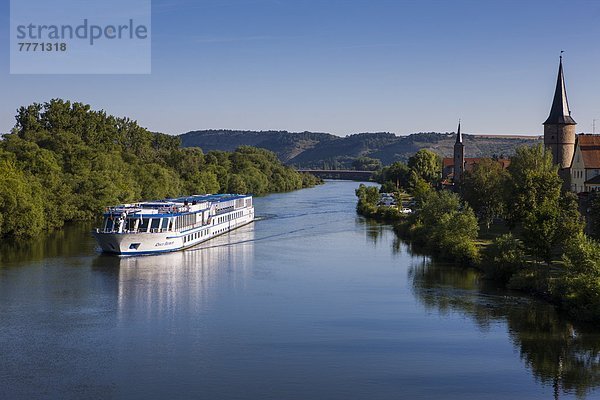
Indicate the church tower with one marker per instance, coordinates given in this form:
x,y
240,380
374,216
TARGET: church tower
x,y
559,128
459,157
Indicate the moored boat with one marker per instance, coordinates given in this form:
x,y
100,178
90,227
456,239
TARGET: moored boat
x,y
171,224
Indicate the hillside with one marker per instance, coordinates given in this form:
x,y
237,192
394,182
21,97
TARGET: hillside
x,y
286,145
323,150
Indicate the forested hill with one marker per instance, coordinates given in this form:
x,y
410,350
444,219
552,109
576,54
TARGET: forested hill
x,y
308,149
286,145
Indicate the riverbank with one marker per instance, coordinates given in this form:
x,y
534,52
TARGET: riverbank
x,y
446,228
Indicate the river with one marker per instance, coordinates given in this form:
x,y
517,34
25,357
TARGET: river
x,y
309,302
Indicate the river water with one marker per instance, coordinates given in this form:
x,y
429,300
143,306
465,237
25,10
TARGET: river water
x,y
309,302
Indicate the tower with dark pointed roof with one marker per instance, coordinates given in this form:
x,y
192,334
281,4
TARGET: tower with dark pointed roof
x,y
559,128
459,157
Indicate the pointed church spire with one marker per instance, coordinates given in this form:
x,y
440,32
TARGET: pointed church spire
x,y
458,134
560,113
459,157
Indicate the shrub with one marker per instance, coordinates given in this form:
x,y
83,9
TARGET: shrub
x,y
503,258
579,287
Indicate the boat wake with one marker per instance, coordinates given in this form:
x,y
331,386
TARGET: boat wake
x,y
291,234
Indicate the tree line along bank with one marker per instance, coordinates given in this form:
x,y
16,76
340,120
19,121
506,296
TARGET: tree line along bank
x,y
517,225
65,162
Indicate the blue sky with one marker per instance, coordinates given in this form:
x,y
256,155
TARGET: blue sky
x,y
343,67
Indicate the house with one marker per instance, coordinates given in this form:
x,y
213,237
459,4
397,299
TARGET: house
x,y
585,166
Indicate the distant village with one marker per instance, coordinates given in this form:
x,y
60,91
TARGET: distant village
x,y
578,155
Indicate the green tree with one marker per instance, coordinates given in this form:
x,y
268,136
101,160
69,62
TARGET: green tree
x,y
201,183
533,183
366,164
594,215
368,197
427,165
394,177
548,227
447,227
503,258
534,201
237,184
368,194
21,202
579,288
483,188
419,188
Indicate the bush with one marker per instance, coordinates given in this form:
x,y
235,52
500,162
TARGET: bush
x,y
579,287
453,237
444,225
503,258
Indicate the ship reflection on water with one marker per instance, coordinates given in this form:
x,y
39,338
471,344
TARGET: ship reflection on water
x,y
153,287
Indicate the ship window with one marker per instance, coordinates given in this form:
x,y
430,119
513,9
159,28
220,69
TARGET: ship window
x,y
130,224
155,224
165,224
109,224
144,225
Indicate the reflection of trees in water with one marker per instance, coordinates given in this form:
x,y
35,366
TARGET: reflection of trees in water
x,y
375,230
558,353
59,243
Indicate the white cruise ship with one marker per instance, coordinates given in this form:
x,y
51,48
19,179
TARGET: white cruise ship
x,y
172,224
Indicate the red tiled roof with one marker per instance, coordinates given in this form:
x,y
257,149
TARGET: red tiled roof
x,y
470,162
590,150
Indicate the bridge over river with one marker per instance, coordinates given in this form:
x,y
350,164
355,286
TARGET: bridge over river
x,y
347,175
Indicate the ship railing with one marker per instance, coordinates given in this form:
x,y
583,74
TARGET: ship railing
x,y
127,210
155,230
